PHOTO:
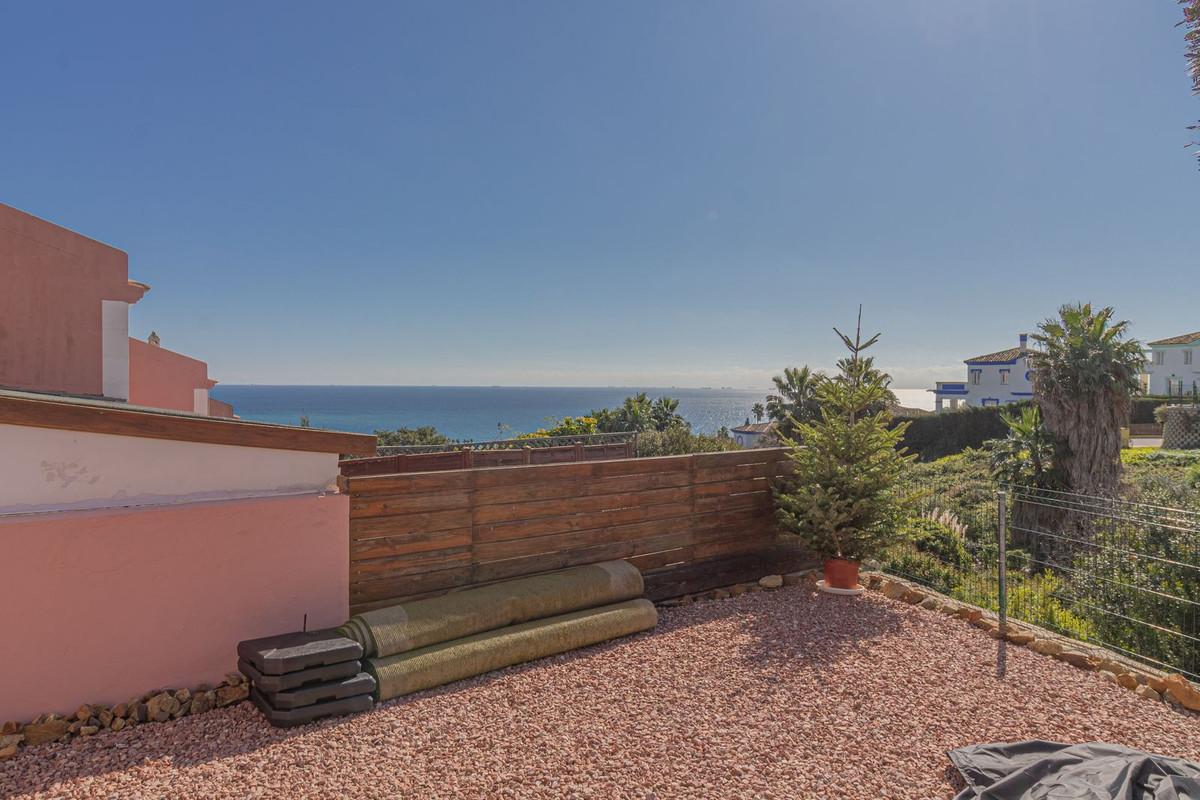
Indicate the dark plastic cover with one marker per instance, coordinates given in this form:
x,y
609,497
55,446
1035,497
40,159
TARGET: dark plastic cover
x,y
292,652
362,683
293,680
289,718
1095,770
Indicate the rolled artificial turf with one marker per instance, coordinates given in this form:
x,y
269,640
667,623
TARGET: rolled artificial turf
x,y
420,623
446,662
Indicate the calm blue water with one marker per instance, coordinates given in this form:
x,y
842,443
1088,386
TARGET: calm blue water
x,y
467,412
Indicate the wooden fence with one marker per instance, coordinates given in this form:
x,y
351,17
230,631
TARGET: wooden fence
x,y
683,520
468,458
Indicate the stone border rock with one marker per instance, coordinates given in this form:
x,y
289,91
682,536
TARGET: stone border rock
x,y
160,705
1146,682
765,583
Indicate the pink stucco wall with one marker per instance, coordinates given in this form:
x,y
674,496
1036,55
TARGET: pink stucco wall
x,y
161,378
110,604
51,283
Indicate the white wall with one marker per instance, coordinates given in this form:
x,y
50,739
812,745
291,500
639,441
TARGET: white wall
x,y
200,402
991,386
114,348
1173,366
45,469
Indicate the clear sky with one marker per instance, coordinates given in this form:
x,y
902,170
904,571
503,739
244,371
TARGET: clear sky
x,y
654,193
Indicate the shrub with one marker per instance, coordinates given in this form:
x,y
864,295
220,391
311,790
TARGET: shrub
x,y
939,540
939,435
426,434
907,561
1143,408
679,441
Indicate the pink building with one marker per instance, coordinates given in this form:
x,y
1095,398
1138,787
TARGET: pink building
x,y
64,323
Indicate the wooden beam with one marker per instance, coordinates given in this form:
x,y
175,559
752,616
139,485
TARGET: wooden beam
x,y
112,418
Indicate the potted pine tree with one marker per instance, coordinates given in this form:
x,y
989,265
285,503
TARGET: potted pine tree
x,y
842,496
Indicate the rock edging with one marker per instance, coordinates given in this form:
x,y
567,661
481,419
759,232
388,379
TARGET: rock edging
x,y
1147,683
159,705
765,583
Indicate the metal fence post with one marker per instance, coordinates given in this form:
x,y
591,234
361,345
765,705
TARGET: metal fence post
x,y
1002,541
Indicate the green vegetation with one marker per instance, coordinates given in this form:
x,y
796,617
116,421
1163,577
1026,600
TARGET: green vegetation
x,y
677,441
958,502
1085,376
1028,455
426,434
661,430
841,498
938,435
795,401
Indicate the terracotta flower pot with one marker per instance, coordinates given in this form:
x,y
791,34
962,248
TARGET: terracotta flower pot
x,y
841,573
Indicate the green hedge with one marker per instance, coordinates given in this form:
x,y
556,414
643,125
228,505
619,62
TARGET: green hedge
x,y
1142,411
954,431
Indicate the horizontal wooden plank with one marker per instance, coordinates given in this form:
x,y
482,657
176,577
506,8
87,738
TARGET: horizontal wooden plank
x,y
95,416
761,499
759,469
410,563
514,548
576,505
401,524
413,482
565,523
579,488
731,457
580,470
393,504
366,591
739,486
730,547
530,565
416,542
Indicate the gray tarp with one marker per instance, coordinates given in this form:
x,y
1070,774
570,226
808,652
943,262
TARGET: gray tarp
x,y
1036,770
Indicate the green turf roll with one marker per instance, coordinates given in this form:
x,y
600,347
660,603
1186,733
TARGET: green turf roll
x,y
420,623
484,652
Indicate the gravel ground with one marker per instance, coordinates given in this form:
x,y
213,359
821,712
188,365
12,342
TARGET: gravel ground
x,y
781,694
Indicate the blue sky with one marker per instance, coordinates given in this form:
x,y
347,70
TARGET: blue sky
x,y
662,193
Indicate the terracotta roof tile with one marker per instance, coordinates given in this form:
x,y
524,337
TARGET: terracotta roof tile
x,y
1184,338
1011,354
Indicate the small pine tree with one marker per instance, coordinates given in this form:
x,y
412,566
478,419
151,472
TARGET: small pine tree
x,y
842,497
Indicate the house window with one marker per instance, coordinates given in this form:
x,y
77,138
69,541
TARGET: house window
x,y
1175,387
1004,376
1158,357
976,375
1187,356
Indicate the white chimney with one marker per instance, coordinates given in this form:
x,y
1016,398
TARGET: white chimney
x,y
1024,339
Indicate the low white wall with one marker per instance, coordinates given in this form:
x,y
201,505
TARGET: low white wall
x,y
114,346
45,469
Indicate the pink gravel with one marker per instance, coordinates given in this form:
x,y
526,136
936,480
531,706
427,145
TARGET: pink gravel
x,y
786,694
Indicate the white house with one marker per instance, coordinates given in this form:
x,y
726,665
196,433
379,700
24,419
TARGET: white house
x,y
751,434
1172,366
992,379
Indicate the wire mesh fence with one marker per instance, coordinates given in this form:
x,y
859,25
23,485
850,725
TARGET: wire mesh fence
x,y
1122,575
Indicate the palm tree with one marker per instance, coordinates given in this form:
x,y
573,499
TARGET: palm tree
x,y
1028,455
665,413
759,411
796,399
1085,375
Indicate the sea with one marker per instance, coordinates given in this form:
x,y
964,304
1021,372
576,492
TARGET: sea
x,y
469,412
